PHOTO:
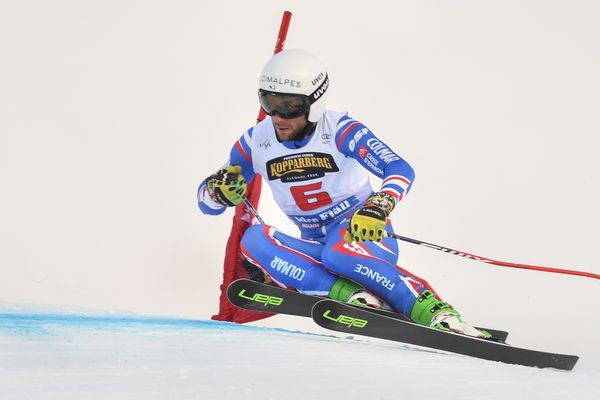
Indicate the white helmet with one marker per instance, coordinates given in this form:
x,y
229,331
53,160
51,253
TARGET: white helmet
x,y
299,74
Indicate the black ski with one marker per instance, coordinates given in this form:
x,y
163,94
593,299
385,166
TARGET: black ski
x,y
256,296
342,317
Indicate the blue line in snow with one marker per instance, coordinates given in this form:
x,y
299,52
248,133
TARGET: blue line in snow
x,y
42,323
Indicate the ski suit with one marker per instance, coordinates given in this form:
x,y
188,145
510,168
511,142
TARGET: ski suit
x,y
319,183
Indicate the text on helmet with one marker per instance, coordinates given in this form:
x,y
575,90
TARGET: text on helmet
x,y
281,81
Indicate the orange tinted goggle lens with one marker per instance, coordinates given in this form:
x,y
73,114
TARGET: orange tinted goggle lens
x,y
285,105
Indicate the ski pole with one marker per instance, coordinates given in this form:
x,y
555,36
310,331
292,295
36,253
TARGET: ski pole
x,y
490,261
462,253
250,207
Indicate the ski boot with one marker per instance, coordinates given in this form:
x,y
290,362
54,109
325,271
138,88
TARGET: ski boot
x,y
430,311
255,273
348,291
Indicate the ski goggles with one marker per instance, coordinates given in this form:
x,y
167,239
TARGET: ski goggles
x,y
287,106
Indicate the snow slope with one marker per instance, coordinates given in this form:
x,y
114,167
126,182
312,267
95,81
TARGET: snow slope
x,y
58,355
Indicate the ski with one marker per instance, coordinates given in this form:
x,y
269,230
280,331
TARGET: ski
x,y
256,296
341,317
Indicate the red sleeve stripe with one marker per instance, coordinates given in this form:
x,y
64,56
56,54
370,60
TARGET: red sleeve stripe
x,y
343,135
396,195
238,146
392,178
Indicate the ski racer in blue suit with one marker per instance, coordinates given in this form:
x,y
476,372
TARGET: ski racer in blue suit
x,y
317,163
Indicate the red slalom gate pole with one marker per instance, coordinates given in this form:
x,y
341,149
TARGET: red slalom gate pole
x,y
232,268
281,36
252,201
254,187
494,262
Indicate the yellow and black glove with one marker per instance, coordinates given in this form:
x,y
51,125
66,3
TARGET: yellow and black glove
x,y
368,223
227,186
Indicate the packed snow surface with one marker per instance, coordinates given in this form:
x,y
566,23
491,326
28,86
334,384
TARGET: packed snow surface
x,y
66,355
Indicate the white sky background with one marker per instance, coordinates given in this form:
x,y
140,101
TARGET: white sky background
x,y
112,112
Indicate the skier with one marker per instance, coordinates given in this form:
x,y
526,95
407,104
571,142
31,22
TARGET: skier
x,y
317,164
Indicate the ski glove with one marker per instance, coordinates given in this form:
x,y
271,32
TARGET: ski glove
x,y
368,223
227,186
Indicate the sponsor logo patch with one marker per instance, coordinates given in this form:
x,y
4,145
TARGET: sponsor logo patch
x,y
301,167
362,152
